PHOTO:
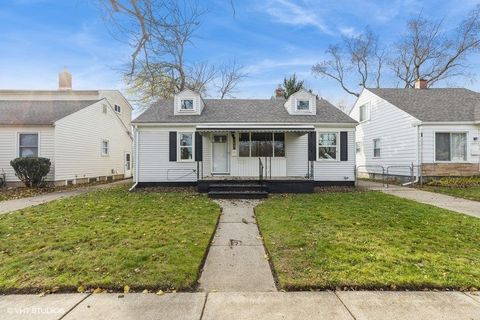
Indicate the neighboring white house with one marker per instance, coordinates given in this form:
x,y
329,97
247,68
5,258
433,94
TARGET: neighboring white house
x,y
86,134
435,129
287,145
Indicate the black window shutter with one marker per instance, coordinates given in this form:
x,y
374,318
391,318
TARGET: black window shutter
x,y
344,146
312,145
198,147
173,145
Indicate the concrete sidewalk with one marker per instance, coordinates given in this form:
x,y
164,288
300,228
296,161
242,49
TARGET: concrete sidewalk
x,y
469,207
342,305
22,203
236,260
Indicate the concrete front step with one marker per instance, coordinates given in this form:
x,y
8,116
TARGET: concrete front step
x,y
238,194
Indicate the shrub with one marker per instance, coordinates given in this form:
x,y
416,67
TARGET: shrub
x,y
31,170
457,182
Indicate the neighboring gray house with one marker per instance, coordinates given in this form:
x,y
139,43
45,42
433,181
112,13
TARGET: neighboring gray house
x,y
85,133
266,145
436,129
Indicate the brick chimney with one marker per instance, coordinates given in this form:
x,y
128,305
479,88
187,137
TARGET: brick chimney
x,y
279,92
65,80
421,84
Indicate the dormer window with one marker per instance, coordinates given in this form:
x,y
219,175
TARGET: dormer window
x,y
303,105
186,104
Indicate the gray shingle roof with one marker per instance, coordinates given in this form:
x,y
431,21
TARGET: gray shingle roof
x,y
38,112
242,111
435,104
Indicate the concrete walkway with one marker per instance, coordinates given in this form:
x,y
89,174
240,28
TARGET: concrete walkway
x,y
237,260
469,207
341,305
18,204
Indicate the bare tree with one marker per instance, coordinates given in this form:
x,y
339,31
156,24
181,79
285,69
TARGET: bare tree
x,y
199,75
230,75
427,52
159,32
357,60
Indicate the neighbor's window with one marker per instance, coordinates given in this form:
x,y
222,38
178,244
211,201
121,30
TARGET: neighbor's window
x,y
450,146
105,147
261,144
186,104
28,145
327,146
363,113
186,146
376,148
358,147
303,105
117,108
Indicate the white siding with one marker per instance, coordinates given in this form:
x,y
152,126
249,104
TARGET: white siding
x,y
328,170
207,155
428,140
78,140
154,164
116,98
396,130
9,147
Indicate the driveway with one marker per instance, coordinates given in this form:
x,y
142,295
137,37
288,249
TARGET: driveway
x,y
468,207
18,204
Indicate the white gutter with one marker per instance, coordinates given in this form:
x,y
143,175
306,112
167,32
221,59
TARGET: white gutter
x,y
136,159
419,155
229,124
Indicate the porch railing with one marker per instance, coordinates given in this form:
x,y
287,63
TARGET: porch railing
x,y
260,169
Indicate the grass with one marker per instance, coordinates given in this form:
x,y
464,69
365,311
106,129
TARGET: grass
x,y
471,193
368,240
107,239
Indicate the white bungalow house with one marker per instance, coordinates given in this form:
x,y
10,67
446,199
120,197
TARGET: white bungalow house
x,y
244,147
435,129
86,134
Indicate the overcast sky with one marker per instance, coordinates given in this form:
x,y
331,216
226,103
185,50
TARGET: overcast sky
x,y
271,38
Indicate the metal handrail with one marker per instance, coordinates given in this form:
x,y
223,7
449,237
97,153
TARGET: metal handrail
x,y
260,169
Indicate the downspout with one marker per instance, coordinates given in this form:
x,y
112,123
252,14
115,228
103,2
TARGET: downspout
x,y
419,157
136,158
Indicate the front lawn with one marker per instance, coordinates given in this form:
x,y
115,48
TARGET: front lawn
x,y
368,240
108,239
471,193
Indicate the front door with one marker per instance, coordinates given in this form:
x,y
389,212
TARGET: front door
x,y
220,154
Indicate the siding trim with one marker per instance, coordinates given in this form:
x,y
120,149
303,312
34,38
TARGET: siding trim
x,y
172,136
312,141
343,146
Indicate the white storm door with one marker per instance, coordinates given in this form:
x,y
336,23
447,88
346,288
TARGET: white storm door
x,y
220,154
